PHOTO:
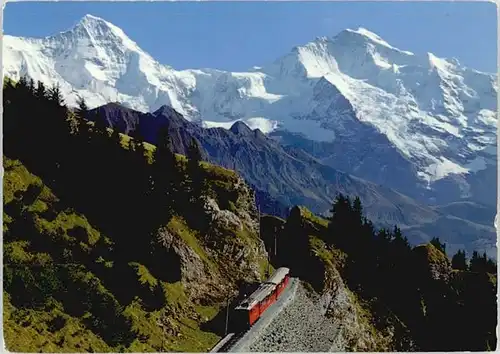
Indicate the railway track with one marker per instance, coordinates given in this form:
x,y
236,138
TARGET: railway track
x,y
235,337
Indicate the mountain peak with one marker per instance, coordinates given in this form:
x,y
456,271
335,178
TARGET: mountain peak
x,y
240,128
91,22
90,17
98,29
165,110
366,33
367,36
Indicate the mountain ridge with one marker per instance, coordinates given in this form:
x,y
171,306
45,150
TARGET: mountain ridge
x,y
420,125
433,113
288,176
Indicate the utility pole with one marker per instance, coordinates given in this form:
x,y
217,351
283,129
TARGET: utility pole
x,y
260,236
227,314
275,244
268,265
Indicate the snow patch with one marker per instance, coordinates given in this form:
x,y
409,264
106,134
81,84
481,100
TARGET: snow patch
x,y
263,124
443,168
225,125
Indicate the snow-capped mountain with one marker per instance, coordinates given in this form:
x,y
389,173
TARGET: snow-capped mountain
x,y
433,116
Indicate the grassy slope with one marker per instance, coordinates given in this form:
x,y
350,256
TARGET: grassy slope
x,y
29,329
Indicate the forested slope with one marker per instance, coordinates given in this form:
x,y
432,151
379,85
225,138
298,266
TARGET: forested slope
x,y
111,244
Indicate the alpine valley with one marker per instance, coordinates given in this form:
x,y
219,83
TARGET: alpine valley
x,y
413,135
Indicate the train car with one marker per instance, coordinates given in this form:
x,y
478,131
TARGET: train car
x,y
280,279
250,309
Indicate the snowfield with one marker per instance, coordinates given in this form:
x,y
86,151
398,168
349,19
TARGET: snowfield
x,y
439,115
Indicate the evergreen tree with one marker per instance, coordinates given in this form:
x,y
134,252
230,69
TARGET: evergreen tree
x,y
400,241
165,177
55,95
31,86
141,170
115,137
194,171
437,243
459,260
341,228
357,211
22,84
40,91
83,110
475,262
491,266
100,124
196,187
481,263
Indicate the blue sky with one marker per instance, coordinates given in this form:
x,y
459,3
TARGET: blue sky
x,y
238,35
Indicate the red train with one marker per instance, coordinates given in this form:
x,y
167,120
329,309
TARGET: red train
x,y
250,309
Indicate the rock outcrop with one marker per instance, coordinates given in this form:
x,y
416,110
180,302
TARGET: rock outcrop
x,y
228,251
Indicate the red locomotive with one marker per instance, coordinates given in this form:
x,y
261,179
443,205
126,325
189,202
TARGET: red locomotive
x,y
250,309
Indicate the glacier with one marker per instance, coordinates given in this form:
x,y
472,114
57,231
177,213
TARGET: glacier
x,y
436,114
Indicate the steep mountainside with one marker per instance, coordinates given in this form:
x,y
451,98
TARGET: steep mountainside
x,y
290,177
101,253
387,295
418,123
59,271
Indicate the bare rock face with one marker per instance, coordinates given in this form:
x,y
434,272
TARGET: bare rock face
x,y
221,219
233,239
197,277
355,333
212,262
245,206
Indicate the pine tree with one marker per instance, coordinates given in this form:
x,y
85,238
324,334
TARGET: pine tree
x,y
83,110
100,124
115,137
399,240
165,177
31,86
491,266
357,209
475,262
196,187
40,91
195,171
459,260
55,95
10,115
84,133
339,226
138,147
482,263
437,243
22,83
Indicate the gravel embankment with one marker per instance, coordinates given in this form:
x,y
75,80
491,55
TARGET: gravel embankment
x,y
300,327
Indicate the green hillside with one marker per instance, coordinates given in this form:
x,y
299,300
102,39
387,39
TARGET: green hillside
x,y
111,244
401,298
55,285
